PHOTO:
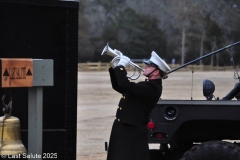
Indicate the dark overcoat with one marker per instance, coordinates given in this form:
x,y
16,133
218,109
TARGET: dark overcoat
x,y
129,135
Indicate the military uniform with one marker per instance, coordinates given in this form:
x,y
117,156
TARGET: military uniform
x,y
129,135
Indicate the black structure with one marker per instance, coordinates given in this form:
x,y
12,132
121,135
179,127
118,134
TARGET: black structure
x,y
45,29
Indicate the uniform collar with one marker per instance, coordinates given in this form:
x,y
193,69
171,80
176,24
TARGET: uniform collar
x,y
158,81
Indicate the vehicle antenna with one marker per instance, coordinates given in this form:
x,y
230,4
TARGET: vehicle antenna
x,y
192,84
236,75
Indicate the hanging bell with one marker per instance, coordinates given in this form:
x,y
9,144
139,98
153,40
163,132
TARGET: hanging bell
x,y
10,135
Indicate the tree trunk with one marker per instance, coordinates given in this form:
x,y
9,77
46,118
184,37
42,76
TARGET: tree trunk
x,y
213,46
183,46
201,49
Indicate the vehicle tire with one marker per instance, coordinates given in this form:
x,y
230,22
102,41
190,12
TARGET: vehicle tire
x,y
213,150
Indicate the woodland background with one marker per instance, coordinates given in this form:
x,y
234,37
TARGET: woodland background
x,y
176,29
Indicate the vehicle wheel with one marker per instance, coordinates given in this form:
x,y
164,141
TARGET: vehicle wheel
x,y
213,150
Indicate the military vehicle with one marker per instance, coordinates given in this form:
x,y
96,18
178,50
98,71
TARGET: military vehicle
x,y
197,129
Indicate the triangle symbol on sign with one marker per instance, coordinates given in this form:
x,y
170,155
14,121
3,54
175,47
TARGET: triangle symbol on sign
x,y
5,73
29,73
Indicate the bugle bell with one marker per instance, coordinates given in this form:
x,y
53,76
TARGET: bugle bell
x,y
10,135
110,52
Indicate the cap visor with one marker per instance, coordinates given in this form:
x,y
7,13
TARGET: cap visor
x,y
148,62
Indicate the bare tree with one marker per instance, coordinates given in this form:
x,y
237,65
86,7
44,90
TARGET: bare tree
x,y
201,47
213,47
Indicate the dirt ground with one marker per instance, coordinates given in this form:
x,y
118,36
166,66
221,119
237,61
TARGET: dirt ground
x,y
97,103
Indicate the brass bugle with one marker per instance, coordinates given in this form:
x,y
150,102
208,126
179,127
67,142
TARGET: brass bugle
x,y
110,52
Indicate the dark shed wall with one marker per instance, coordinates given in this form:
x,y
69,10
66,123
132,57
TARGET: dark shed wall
x,y
45,31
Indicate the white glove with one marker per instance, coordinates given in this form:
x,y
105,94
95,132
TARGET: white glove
x,y
116,59
118,52
124,61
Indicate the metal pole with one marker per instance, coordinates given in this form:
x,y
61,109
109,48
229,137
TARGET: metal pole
x,y
35,112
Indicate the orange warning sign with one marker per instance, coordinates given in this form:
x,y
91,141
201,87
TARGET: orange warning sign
x,y
16,72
